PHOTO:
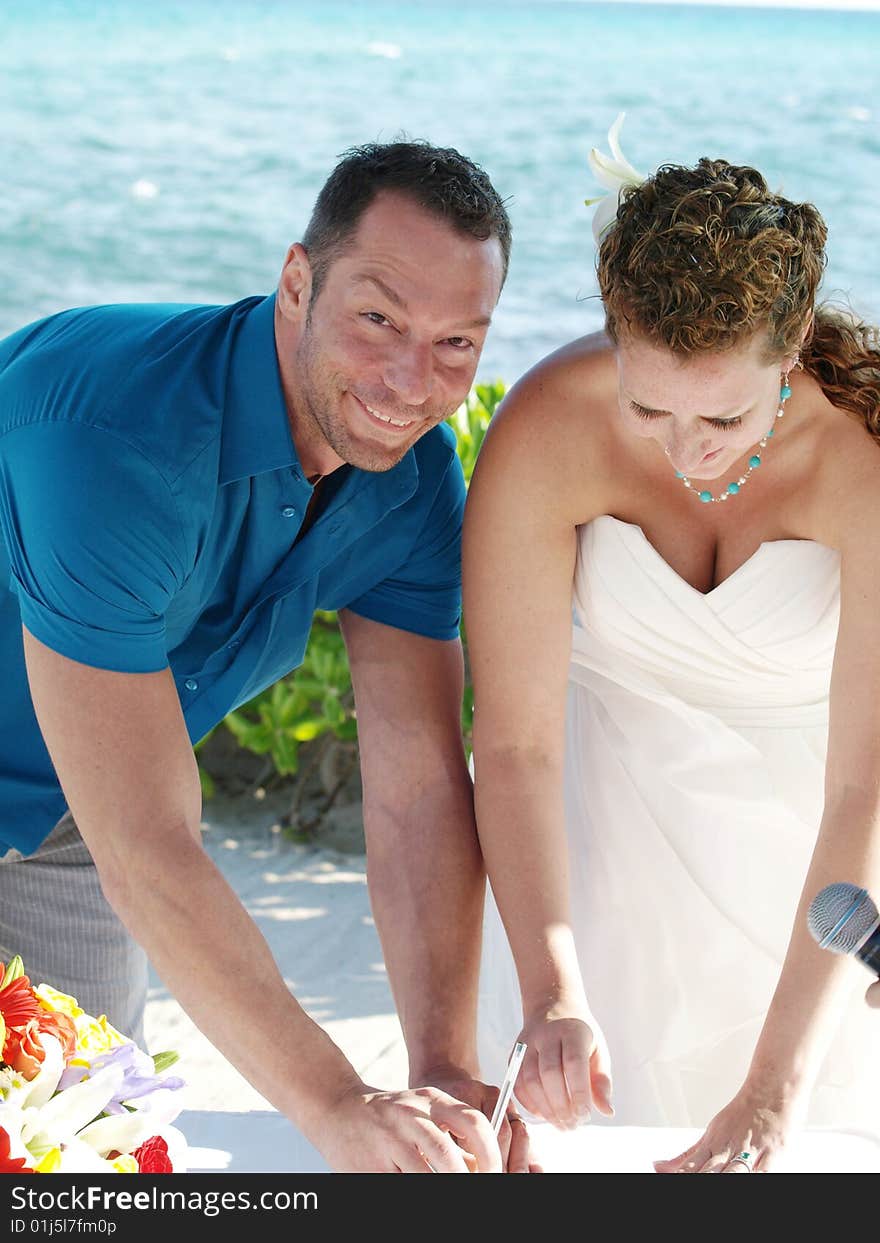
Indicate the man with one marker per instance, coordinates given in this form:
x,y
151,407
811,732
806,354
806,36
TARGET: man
x,y
180,488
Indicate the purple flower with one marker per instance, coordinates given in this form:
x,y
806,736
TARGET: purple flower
x,y
139,1082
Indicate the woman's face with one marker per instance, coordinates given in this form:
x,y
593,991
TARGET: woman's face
x,y
707,411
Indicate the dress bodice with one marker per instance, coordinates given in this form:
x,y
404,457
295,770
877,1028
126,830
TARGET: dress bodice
x,y
761,641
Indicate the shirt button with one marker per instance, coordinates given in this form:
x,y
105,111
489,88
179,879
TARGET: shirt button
x,y
191,684
288,511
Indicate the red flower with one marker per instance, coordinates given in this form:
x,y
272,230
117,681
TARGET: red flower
x,y
18,1003
152,1157
11,1165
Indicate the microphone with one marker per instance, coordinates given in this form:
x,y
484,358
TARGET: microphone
x,y
844,919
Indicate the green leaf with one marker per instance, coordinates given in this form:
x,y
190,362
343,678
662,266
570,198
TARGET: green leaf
x,y
309,688
162,1061
293,707
286,754
237,724
206,781
14,970
260,739
333,710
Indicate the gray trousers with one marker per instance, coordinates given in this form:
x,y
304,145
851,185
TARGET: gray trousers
x,y
54,914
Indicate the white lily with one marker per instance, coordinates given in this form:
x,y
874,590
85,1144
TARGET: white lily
x,y
79,1158
125,1132
12,1120
615,173
67,1113
38,1091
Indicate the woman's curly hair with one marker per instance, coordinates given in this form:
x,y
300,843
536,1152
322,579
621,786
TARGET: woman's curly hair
x,y
704,258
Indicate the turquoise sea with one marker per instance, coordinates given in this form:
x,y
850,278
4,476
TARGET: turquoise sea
x,y
171,151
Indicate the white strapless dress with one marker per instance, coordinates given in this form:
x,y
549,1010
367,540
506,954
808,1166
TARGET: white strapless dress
x,y
696,738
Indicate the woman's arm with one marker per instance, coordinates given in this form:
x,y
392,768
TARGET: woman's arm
x,y
814,984
806,1006
519,556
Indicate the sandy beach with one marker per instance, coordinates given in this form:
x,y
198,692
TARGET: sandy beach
x,y
311,905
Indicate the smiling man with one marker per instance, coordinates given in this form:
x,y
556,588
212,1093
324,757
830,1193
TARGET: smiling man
x,y
180,488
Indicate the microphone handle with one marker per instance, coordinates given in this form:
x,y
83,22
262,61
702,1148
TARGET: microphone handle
x,y
869,953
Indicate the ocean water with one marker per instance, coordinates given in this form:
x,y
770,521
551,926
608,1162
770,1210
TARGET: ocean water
x,y
172,151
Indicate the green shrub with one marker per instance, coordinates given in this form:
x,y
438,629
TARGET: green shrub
x,y
317,700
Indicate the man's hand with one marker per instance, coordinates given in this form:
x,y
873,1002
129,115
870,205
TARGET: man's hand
x,y
418,1131
513,1136
566,1072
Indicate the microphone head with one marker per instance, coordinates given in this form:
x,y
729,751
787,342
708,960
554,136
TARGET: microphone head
x,y
841,917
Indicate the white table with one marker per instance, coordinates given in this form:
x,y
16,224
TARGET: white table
x,y
265,1142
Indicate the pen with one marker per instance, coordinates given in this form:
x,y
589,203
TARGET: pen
x,y
516,1059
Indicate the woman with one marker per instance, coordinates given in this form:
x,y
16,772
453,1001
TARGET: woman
x,y
662,789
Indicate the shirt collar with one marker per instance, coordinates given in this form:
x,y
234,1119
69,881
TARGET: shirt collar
x,y
256,432
256,435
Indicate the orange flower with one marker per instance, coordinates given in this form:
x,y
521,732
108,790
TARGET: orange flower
x,y
63,1028
23,1051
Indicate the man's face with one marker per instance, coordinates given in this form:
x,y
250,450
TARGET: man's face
x,y
390,346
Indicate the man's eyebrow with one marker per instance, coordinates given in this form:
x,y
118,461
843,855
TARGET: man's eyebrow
x,y
482,321
389,293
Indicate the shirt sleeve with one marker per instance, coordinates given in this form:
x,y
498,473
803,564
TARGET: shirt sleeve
x,y
423,595
94,541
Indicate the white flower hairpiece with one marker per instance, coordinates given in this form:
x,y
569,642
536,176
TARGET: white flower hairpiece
x,y
615,172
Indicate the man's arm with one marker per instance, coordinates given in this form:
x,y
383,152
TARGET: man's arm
x,y
124,760
424,864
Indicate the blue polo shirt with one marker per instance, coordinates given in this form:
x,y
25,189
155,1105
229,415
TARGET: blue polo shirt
x,y
150,502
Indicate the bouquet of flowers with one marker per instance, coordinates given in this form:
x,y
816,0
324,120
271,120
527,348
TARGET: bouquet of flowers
x,y
76,1096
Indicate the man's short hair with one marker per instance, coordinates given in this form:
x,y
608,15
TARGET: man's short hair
x,y
439,179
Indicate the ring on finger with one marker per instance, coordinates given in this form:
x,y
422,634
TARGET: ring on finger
x,y
744,1158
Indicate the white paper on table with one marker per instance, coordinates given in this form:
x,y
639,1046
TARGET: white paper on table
x,y
265,1142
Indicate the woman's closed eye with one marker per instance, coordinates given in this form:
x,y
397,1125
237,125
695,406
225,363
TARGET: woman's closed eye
x,y
648,415
724,424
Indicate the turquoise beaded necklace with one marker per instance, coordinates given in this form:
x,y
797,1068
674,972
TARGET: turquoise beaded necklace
x,y
754,461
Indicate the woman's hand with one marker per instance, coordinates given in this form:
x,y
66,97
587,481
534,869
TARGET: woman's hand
x,y
566,1072
746,1137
